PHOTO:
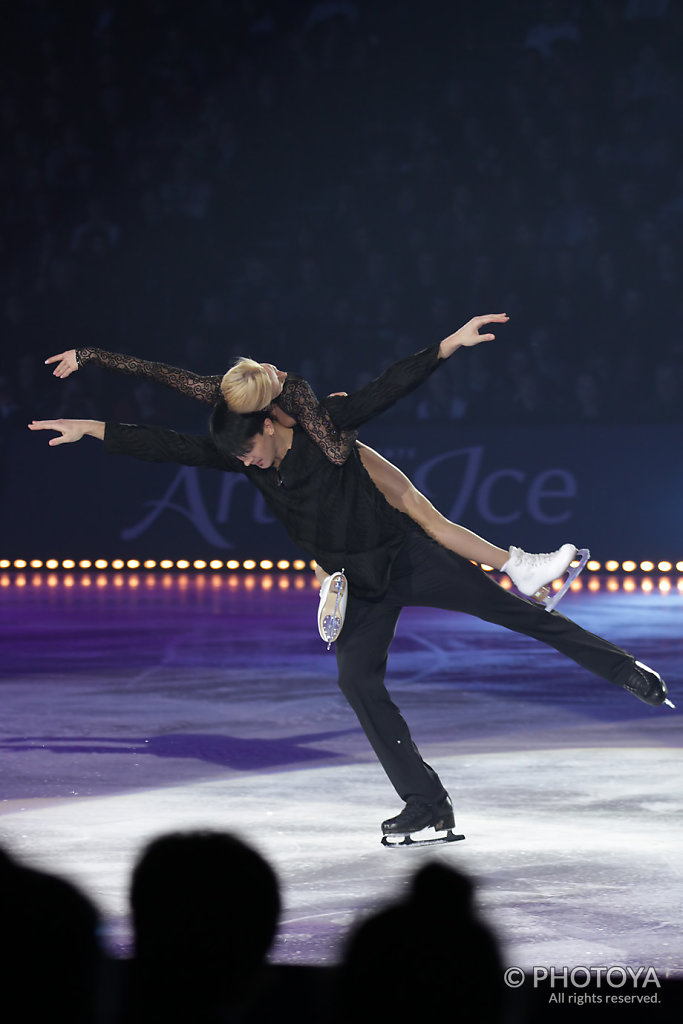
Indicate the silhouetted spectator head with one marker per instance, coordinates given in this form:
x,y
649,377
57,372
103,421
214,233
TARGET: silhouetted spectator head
x,y
49,948
6,863
429,950
205,912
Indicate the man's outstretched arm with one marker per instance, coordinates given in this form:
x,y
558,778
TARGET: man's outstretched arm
x,y
151,444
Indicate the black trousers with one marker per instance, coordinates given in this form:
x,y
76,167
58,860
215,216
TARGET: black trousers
x,y
425,574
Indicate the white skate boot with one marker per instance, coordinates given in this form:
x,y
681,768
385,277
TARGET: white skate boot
x,y
332,607
531,573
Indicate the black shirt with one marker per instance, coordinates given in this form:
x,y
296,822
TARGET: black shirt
x,y
334,512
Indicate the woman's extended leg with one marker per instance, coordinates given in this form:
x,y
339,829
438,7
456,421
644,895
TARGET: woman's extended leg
x,y
403,495
529,572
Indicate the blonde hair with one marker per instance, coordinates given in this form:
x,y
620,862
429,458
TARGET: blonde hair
x,y
247,386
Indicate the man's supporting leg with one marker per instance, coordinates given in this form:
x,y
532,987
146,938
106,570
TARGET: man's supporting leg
x,y
362,650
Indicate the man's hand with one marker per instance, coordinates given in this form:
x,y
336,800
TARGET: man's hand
x,y
469,334
66,363
69,430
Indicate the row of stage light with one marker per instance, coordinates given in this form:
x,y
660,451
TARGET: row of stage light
x,y
629,583
266,565
150,564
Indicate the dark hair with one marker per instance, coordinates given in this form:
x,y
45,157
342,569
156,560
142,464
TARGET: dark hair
x,y
233,432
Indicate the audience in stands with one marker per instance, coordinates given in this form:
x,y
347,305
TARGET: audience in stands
x,y
205,909
322,184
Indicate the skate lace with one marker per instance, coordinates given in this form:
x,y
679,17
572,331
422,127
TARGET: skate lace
x,y
537,560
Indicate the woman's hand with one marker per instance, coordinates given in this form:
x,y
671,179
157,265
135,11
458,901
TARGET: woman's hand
x,y
66,363
469,335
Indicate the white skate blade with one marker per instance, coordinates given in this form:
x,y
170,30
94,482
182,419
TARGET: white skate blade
x,y
583,554
331,615
331,625
670,703
394,841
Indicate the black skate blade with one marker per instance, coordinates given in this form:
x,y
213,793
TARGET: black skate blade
x,y
407,840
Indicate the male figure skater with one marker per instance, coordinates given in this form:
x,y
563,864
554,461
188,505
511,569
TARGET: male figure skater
x,y
336,513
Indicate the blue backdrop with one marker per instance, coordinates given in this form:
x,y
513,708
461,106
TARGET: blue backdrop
x,y
616,490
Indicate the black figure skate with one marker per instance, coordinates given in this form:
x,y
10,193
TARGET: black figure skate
x,y
417,816
645,684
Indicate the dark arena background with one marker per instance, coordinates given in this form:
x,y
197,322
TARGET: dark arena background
x,y
331,186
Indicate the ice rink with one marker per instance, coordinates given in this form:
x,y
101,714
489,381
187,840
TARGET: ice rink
x,y
137,704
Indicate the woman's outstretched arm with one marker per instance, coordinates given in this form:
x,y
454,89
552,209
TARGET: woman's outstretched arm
x,y
298,401
205,389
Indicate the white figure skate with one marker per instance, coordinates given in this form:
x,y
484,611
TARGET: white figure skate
x,y
332,607
532,574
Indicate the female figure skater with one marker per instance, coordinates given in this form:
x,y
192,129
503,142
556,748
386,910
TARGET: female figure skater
x,y
249,386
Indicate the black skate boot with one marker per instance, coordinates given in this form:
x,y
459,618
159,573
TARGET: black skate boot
x,y
417,816
646,684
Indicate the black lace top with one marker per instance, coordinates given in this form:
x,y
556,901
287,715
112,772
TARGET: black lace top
x,y
297,398
334,512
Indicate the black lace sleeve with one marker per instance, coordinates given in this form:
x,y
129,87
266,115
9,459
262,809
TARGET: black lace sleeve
x,y
351,411
204,389
298,400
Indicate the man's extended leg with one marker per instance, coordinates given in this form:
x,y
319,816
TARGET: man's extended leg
x,y
425,574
